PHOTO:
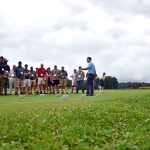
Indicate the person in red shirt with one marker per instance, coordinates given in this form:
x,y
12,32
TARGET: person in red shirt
x,y
41,74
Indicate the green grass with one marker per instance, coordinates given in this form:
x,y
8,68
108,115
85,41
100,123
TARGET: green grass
x,y
118,119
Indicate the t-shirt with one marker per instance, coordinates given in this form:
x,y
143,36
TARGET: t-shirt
x,y
80,75
41,72
55,74
63,74
32,75
7,70
19,72
27,76
74,77
49,76
2,69
91,68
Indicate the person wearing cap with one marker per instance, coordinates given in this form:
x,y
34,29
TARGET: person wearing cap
x,y
91,74
2,71
6,76
41,74
80,80
12,79
55,78
27,83
20,76
74,80
63,80
32,80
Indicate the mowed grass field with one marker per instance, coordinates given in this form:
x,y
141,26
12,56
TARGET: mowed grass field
x,y
116,119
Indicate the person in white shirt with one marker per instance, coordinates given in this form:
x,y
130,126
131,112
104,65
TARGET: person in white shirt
x,y
12,79
74,80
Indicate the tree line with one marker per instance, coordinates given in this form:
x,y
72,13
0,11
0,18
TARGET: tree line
x,y
112,83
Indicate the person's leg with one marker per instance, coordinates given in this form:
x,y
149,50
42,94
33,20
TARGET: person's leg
x,y
57,85
1,84
91,84
82,87
54,84
39,86
5,86
11,82
88,86
29,86
72,88
43,87
34,86
17,86
65,86
77,88
21,86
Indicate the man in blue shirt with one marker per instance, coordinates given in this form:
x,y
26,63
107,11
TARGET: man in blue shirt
x,y
20,76
90,77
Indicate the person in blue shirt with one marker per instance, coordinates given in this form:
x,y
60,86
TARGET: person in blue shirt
x,y
20,76
91,72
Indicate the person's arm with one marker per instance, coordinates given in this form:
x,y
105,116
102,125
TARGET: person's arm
x,y
89,66
83,75
95,75
44,72
66,75
15,70
85,68
37,73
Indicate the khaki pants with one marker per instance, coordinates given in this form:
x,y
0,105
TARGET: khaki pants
x,y
63,82
1,83
12,84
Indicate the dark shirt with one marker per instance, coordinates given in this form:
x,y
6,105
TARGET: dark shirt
x,y
32,75
27,76
63,74
19,72
2,69
7,68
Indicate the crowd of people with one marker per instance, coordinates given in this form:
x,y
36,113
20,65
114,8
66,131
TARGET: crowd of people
x,y
25,80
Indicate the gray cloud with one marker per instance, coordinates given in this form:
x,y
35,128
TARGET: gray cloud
x,y
115,34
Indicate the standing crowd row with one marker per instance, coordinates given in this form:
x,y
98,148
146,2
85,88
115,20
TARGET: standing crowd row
x,y
44,81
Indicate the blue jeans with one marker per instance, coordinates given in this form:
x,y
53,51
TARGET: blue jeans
x,y
80,84
89,84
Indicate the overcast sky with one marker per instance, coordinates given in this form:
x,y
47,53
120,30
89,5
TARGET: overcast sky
x,y
115,33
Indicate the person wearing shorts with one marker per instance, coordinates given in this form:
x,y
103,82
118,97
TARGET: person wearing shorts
x,y
27,83
32,80
102,82
74,80
49,81
63,80
55,78
41,74
20,76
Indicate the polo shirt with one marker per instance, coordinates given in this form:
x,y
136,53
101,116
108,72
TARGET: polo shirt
x,y
91,68
41,72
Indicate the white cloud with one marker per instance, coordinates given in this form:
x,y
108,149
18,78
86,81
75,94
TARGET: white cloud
x,y
115,34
